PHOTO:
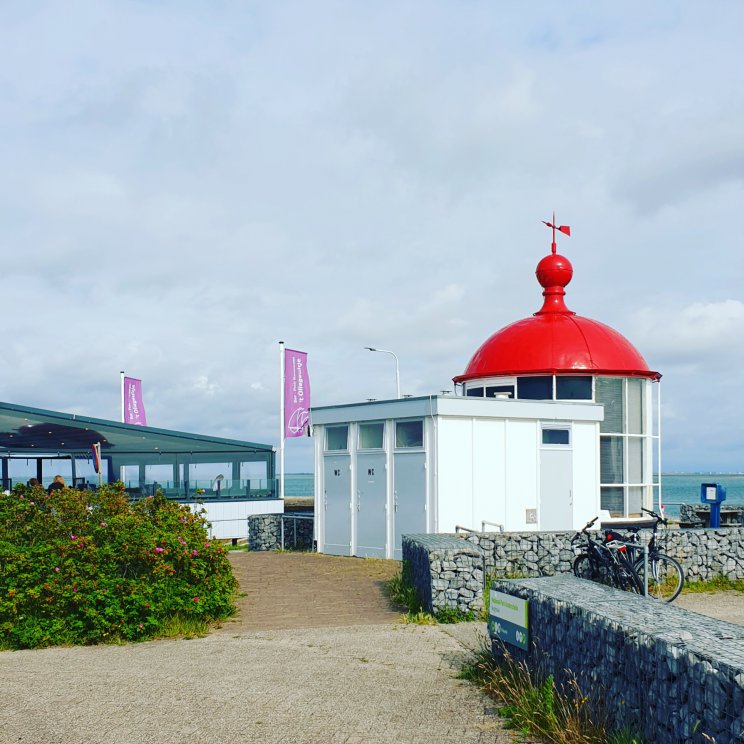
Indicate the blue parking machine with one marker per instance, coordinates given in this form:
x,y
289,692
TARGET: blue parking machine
x,y
713,494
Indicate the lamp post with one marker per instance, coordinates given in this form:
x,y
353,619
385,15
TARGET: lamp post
x,y
397,371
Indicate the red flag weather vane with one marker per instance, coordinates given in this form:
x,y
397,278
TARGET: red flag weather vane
x,y
565,229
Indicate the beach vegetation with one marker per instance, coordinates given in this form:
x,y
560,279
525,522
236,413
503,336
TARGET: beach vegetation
x,y
84,567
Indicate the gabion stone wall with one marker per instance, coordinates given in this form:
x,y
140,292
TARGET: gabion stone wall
x,y
668,674
447,571
702,553
264,532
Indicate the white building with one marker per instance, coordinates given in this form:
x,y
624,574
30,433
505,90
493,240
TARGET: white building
x,y
553,421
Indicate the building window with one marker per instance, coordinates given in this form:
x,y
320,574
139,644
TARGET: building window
x,y
611,454
610,393
556,436
612,499
371,436
337,438
475,392
409,434
535,388
573,388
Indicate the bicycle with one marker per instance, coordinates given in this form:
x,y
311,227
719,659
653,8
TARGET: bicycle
x,y
605,562
666,577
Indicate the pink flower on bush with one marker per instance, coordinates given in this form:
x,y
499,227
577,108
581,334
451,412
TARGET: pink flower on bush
x,y
73,537
140,626
22,496
196,599
56,568
32,503
103,524
159,550
194,552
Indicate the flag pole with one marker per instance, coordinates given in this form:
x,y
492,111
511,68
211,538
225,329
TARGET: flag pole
x,y
122,473
281,420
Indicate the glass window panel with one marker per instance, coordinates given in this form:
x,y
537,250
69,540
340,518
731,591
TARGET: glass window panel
x,y
371,435
493,390
409,434
555,436
573,388
635,501
535,388
635,460
635,406
476,392
612,500
610,395
337,437
611,459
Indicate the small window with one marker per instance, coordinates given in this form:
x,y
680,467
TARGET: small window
x,y
535,388
371,436
337,438
409,434
556,436
500,391
476,392
573,388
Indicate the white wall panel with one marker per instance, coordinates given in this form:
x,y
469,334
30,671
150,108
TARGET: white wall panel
x,y
455,491
585,473
521,473
489,472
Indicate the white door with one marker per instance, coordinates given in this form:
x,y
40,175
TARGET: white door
x,y
409,497
556,483
337,516
371,537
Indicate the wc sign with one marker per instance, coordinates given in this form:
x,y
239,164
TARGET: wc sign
x,y
508,619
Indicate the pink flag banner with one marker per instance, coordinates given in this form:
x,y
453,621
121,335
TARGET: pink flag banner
x,y
296,393
134,408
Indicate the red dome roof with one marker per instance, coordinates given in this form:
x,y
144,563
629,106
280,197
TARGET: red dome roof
x,y
555,340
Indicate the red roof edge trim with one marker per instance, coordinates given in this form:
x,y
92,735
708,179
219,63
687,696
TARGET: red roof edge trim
x,y
648,374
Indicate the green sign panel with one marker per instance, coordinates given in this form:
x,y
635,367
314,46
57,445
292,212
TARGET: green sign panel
x,y
508,619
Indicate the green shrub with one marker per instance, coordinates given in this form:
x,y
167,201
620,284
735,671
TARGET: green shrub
x,y
79,567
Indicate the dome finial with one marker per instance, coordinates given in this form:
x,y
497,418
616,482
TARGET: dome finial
x,y
565,229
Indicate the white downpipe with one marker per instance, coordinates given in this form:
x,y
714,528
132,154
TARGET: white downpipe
x,y
281,420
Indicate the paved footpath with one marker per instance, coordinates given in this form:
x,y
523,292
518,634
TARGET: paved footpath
x,y
305,672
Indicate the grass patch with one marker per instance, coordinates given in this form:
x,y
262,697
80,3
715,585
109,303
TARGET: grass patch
x,y
182,626
536,706
717,584
403,593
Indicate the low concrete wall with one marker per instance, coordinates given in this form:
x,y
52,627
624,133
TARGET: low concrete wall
x,y
669,674
703,554
264,532
447,571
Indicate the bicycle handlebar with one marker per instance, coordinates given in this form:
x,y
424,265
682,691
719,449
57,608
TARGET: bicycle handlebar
x,y
656,516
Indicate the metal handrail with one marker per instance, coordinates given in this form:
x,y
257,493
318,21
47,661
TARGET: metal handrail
x,y
459,527
493,524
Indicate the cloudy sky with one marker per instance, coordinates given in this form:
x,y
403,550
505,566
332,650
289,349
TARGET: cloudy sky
x,y
185,183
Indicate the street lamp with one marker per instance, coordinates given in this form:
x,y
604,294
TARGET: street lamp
x,y
397,371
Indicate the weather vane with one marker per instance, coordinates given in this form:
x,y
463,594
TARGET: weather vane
x,y
565,229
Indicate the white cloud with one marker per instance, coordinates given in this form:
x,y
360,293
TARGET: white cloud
x,y
187,183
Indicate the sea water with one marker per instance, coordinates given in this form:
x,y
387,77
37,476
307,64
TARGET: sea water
x,y
676,488
685,488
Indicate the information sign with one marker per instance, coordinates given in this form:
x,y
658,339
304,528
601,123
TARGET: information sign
x,y
508,619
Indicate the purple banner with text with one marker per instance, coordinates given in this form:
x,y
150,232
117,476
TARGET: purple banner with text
x,y
296,393
134,408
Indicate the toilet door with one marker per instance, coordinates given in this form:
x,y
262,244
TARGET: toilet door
x,y
556,479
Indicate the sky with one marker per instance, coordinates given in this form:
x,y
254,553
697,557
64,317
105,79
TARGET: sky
x,y
188,182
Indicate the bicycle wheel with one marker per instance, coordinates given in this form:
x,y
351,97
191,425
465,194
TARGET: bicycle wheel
x,y
627,576
585,568
665,577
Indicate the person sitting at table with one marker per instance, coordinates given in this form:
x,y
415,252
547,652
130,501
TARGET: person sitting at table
x,y
56,485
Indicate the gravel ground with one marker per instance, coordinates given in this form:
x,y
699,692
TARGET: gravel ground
x,y
357,685
728,605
